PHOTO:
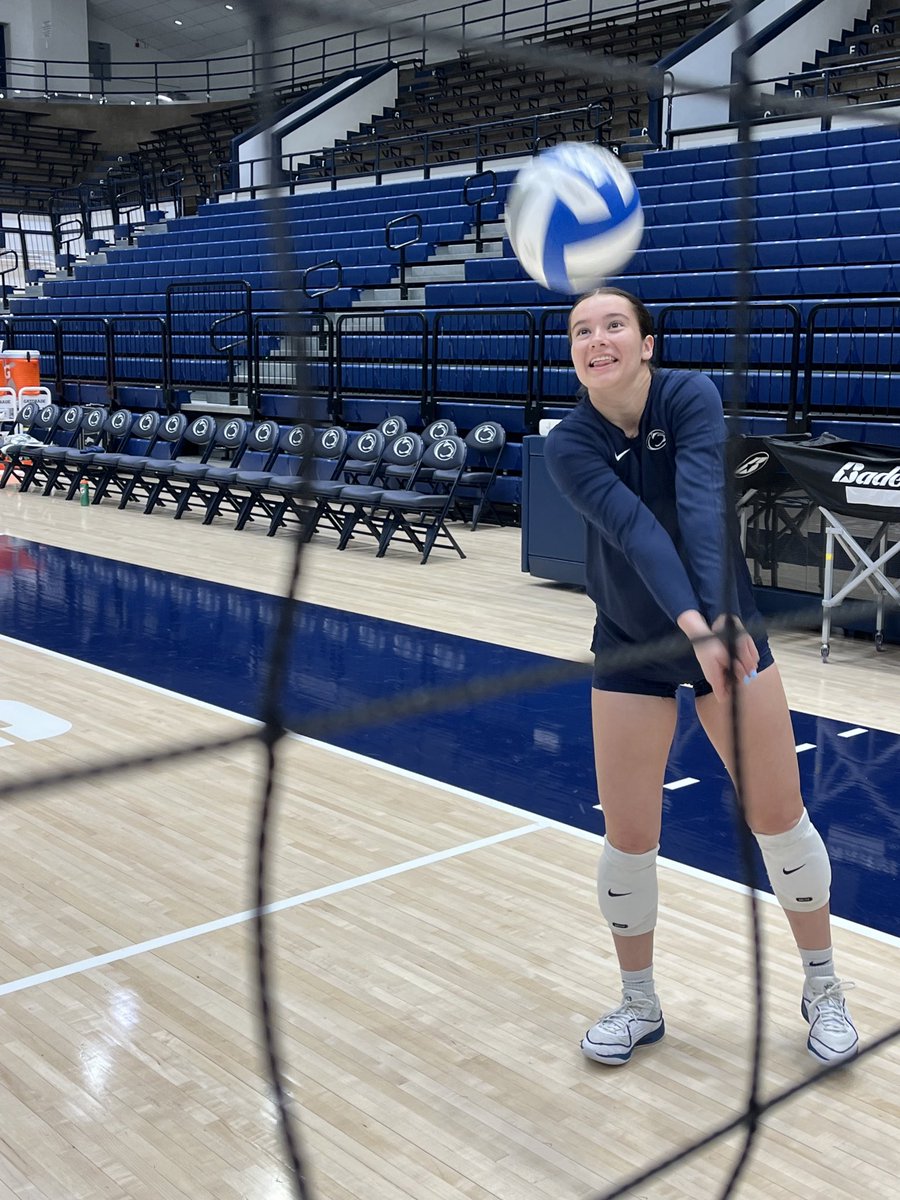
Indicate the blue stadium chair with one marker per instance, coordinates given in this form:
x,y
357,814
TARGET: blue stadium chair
x,y
485,445
137,473
84,462
238,486
16,456
309,500
61,471
198,441
106,465
230,441
358,504
63,435
441,428
422,518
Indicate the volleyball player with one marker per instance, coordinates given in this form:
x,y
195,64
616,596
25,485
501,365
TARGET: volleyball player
x,y
641,458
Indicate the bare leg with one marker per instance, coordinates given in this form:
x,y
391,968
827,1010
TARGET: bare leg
x,y
632,739
770,776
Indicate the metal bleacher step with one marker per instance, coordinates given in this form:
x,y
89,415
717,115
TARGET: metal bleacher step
x,y
218,403
391,296
437,272
446,264
491,248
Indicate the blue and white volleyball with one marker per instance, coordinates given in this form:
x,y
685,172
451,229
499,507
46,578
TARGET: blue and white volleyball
x,y
573,217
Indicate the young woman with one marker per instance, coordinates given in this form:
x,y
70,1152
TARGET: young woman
x,y
641,458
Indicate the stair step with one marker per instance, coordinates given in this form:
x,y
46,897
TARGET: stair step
x,y
465,250
218,402
391,296
434,272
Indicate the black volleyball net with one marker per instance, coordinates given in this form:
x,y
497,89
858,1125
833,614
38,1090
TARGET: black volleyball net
x,y
775,503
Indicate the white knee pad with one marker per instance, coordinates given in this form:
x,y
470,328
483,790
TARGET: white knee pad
x,y
798,866
627,890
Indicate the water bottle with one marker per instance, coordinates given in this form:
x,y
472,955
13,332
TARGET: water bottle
x,y
85,492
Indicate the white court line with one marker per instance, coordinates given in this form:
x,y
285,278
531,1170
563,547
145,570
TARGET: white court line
x,y
332,889
875,935
677,784
805,746
853,732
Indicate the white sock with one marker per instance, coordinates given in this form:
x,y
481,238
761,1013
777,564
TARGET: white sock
x,y
639,981
818,964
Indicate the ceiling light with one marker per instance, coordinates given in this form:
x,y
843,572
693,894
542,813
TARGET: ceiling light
x,y
230,7
177,22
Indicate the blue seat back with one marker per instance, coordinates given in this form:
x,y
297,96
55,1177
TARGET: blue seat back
x,y
448,453
438,429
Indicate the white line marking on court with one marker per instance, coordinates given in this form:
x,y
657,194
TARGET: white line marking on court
x,y
805,746
677,784
332,889
875,935
853,732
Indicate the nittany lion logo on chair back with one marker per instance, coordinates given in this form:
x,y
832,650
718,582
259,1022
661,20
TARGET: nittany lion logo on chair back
x,y
448,454
391,426
93,420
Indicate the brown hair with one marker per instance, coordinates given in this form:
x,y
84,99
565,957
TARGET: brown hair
x,y
644,319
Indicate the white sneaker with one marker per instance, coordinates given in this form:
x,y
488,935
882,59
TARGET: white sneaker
x,y
638,1021
832,1034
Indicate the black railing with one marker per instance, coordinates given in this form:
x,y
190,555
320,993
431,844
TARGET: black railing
x,y
482,178
488,353
691,334
841,336
398,223
44,335
9,263
68,232
383,353
137,349
785,100
474,142
83,352
311,63
318,294
201,354
839,364
294,354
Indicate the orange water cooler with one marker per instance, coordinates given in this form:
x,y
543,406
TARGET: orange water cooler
x,y
21,368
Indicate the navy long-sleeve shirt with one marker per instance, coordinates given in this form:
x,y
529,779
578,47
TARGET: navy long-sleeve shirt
x,y
657,537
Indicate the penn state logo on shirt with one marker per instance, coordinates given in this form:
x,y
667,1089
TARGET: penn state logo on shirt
x,y
656,439
752,464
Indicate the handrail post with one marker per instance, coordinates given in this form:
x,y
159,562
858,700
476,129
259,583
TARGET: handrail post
x,y
480,177
23,242
401,246
110,352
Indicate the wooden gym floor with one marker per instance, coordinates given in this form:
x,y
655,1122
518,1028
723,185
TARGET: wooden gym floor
x,y
438,954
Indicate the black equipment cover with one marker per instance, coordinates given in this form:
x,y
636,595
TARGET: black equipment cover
x,y
753,465
856,479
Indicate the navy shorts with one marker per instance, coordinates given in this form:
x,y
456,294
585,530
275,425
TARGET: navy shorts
x,y
638,686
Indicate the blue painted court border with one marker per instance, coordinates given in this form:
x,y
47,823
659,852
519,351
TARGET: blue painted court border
x,y
530,749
